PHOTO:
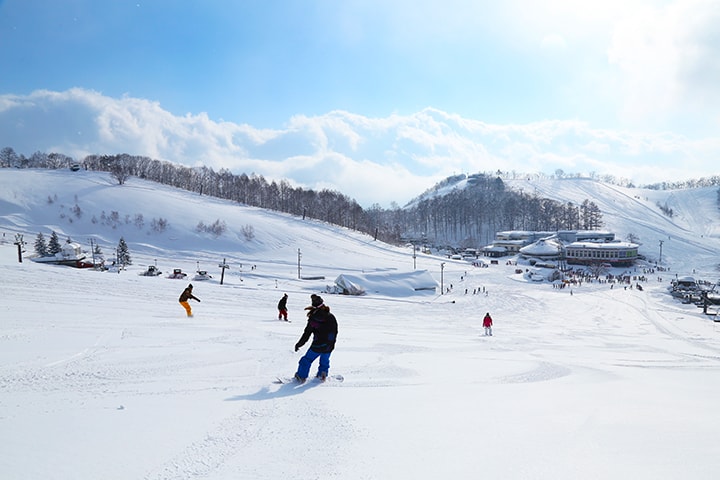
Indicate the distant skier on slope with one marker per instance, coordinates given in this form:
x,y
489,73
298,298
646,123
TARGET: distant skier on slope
x,y
487,323
282,308
322,325
185,296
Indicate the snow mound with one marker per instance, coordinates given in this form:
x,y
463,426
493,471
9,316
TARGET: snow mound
x,y
394,284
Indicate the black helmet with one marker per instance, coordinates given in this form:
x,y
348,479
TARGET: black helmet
x,y
316,300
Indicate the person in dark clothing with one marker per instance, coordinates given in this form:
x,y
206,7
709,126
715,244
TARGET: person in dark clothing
x,y
185,296
322,325
282,308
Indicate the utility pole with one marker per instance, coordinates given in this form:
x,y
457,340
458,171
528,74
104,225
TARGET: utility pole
x,y
299,257
442,287
661,244
92,249
415,248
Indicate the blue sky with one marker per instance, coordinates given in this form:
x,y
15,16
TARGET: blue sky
x,y
289,88
263,61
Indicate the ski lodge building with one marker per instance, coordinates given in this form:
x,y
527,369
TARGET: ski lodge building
x,y
573,246
620,254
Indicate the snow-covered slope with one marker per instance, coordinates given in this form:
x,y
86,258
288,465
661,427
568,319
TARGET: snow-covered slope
x,y
34,201
102,376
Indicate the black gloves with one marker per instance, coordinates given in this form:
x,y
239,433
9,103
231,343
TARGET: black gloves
x,y
297,347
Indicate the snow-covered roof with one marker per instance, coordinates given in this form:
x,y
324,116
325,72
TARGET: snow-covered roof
x,y
543,248
389,283
510,242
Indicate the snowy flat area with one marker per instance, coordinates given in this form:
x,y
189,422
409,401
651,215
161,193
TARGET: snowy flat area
x,y
103,377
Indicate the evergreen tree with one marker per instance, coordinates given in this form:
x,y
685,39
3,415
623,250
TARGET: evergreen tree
x,y
41,247
595,216
54,244
123,254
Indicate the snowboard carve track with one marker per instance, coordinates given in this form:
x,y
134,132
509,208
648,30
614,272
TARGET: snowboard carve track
x,y
543,372
209,454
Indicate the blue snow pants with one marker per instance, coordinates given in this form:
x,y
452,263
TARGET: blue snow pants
x,y
307,360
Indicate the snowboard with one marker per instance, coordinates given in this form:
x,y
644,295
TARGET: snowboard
x,y
290,380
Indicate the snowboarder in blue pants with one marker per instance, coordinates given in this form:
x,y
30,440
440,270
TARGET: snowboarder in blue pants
x,y
322,325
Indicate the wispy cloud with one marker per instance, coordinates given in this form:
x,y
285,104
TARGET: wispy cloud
x,y
374,160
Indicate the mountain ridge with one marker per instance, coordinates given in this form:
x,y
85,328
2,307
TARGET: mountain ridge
x,y
29,205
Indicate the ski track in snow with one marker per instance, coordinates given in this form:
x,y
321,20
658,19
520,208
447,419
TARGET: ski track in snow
x,y
261,433
544,372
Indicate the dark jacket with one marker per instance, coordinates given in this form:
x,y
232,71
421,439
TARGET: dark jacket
x,y
187,294
282,304
322,325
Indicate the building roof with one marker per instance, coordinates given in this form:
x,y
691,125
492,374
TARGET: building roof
x,y
545,247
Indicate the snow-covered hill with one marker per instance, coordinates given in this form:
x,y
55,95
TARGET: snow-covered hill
x,y
85,205
102,376
692,233
34,201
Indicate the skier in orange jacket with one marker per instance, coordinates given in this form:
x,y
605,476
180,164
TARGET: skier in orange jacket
x,y
185,296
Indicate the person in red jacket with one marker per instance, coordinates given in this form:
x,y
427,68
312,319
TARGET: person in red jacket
x,y
487,323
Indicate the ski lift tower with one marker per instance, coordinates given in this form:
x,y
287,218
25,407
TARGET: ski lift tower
x,y
19,242
223,266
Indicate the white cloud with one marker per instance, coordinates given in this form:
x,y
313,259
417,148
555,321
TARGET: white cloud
x,y
374,160
669,59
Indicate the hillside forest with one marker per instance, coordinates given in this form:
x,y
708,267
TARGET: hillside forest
x,y
452,217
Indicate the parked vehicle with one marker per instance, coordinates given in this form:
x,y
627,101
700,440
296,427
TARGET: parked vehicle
x,y
152,271
202,275
177,274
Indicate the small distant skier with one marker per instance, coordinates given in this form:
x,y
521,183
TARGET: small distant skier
x,y
185,296
487,323
322,325
282,308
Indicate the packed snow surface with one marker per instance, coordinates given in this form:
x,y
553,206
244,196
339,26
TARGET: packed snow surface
x,y
102,376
